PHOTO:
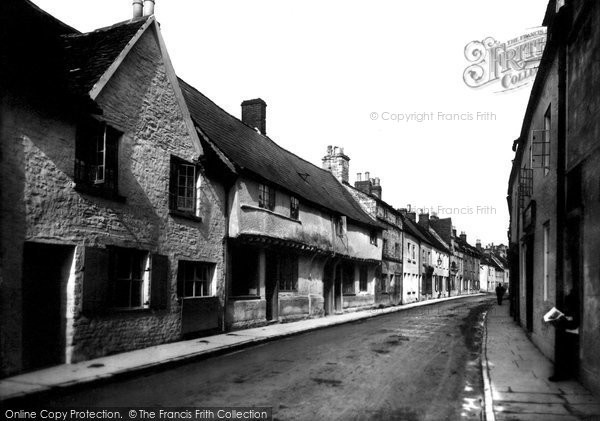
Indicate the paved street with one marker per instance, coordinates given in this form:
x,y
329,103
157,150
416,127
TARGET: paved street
x,y
421,363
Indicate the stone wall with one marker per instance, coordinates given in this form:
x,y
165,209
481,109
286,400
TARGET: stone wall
x,y
139,101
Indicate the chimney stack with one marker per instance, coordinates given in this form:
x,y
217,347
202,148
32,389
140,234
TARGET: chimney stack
x,y
338,163
254,114
138,8
478,244
453,231
148,7
358,176
412,216
463,236
424,220
376,189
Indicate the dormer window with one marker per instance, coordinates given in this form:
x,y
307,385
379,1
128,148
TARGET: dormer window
x,y
373,237
96,156
340,226
266,197
294,208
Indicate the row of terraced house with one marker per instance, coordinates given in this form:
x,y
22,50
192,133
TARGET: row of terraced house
x,y
135,211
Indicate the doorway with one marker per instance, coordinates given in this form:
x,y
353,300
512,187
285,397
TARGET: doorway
x,y
529,283
45,274
271,286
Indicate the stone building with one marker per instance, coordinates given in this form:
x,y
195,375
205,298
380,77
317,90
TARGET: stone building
x,y
417,256
439,261
553,190
368,192
112,228
464,258
298,244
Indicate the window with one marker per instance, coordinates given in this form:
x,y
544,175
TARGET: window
x,y
195,279
96,156
397,250
183,187
288,273
244,273
130,267
413,253
546,256
266,197
340,226
374,238
294,207
546,148
385,247
124,278
348,279
363,279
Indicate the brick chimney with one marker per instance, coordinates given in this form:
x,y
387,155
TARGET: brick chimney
x,y
254,114
148,7
424,220
463,236
338,163
365,185
376,189
478,244
412,216
138,8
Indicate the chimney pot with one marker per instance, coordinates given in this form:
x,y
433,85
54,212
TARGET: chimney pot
x,y
337,163
148,7
367,176
138,8
254,114
358,176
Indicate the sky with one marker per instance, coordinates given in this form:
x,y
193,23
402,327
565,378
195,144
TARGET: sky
x,y
343,72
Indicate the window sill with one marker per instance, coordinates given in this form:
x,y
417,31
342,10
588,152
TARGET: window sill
x,y
349,294
199,297
184,215
258,208
98,192
244,297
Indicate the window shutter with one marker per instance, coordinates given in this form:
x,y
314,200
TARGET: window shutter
x,y
95,279
112,157
159,281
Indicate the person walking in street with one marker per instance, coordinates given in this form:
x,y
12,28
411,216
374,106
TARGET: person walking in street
x,y
500,291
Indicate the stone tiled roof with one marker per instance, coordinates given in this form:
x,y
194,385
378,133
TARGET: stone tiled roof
x,y
89,55
413,229
258,154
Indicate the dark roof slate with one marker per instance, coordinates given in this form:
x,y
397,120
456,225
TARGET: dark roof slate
x,y
89,55
254,152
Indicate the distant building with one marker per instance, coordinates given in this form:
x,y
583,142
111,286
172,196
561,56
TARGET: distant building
x,y
368,192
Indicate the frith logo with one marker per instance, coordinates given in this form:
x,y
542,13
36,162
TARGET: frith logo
x,y
513,64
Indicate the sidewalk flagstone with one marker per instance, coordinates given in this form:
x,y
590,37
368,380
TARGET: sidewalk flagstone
x,y
518,378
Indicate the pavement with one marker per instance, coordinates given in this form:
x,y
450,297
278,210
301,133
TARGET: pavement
x,y
516,375
120,365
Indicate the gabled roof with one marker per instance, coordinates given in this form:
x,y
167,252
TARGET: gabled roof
x,y
413,229
258,154
466,247
88,56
